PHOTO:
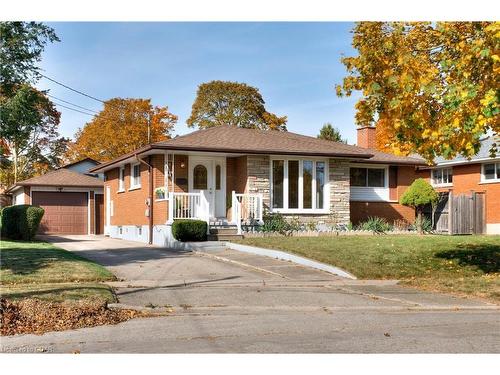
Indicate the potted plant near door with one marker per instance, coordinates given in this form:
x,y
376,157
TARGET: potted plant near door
x,y
160,193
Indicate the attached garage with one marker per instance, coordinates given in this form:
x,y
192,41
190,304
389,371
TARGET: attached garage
x,y
65,212
72,200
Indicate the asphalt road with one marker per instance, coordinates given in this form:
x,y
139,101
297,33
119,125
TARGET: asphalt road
x,y
229,302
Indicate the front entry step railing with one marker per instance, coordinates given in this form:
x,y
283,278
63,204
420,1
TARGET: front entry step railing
x,y
188,206
246,209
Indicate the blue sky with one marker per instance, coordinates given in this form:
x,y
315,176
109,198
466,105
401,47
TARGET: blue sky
x,y
294,65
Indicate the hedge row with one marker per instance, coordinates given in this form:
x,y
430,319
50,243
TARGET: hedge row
x,y
20,222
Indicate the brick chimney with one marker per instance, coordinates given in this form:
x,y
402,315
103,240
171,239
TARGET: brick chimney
x,y
366,137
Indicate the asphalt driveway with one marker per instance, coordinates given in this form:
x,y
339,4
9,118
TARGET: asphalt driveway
x,y
225,301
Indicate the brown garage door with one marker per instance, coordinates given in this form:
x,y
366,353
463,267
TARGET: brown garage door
x,y
65,213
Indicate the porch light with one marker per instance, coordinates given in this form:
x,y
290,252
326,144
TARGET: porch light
x,y
182,165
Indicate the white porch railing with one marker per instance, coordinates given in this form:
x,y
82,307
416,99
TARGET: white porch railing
x,y
188,206
246,208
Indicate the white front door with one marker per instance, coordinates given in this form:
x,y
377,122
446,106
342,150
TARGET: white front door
x,y
208,174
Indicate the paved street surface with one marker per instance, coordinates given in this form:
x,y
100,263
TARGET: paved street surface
x,y
226,301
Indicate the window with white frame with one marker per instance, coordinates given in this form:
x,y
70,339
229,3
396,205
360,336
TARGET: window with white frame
x,y
491,172
121,179
442,176
135,176
298,184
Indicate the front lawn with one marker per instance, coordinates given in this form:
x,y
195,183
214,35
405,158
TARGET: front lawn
x,y
41,270
464,265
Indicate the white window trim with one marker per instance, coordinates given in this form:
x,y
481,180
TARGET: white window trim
x,y
132,185
483,176
443,184
121,179
300,210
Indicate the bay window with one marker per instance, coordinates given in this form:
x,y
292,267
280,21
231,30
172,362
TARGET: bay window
x,y
298,185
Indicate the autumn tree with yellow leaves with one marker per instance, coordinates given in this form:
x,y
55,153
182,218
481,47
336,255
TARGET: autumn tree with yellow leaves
x,y
121,127
430,88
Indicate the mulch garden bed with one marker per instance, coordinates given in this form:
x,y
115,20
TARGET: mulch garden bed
x,y
36,316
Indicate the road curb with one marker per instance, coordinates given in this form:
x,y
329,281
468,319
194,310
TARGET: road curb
x,y
277,254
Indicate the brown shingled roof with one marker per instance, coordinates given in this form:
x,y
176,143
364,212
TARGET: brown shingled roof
x,y
231,139
387,158
62,177
242,140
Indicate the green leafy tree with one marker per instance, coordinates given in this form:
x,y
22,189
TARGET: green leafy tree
x,y
418,195
29,140
29,130
21,47
331,133
232,103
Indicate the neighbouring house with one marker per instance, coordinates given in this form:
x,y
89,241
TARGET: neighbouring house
x,y
228,176
71,197
478,175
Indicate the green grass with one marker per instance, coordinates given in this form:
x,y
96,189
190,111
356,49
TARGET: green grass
x,y
464,265
41,270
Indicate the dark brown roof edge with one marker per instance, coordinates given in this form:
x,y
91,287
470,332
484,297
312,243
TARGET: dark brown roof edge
x,y
120,158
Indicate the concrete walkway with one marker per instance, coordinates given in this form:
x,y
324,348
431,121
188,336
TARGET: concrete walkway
x,y
227,301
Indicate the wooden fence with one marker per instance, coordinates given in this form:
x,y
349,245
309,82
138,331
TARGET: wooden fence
x,y
459,214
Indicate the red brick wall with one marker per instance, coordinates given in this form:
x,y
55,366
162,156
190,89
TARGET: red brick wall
x,y
467,178
27,195
160,207
92,213
236,177
130,206
400,178
236,174
366,137
391,211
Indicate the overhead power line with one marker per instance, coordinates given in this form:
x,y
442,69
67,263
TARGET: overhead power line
x,y
76,110
72,89
73,104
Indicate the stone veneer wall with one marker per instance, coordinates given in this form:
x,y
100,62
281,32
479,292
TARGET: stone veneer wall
x,y
339,176
258,171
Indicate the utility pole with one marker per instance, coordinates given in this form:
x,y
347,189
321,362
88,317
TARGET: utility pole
x,y
149,127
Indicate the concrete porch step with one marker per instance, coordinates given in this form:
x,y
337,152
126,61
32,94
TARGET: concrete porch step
x,y
224,237
224,230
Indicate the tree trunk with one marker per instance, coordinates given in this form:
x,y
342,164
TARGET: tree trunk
x,y
419,221
15,160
